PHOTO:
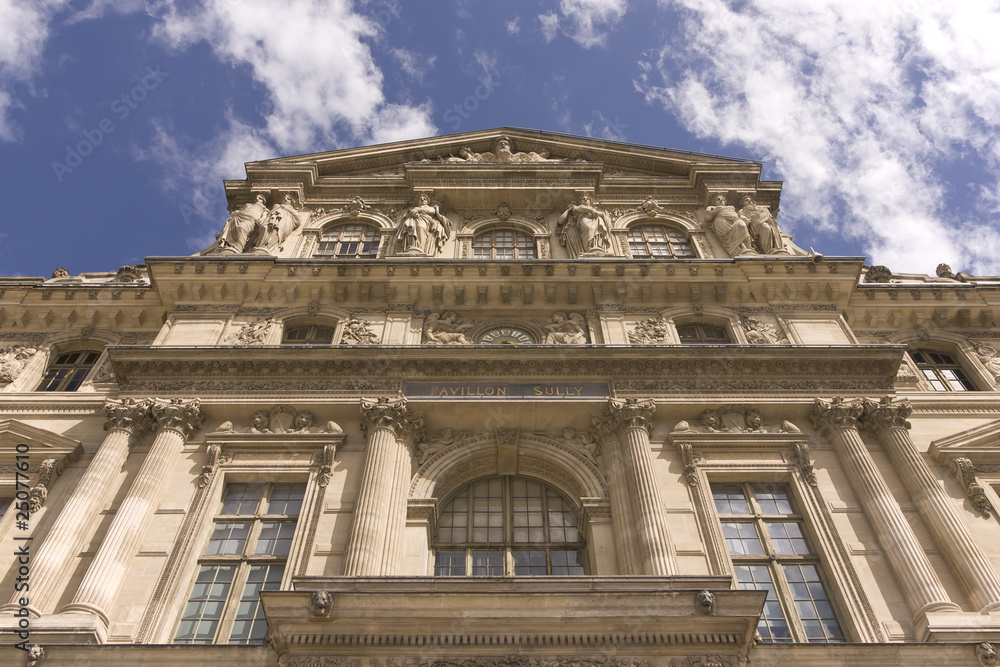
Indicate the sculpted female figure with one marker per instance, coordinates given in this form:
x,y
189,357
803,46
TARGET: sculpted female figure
x,y
423,229
762,226
584,228
728,226
237,235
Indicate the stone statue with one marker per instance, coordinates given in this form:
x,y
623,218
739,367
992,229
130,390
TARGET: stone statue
x,y
60,272
422,228
762,226
445,329
13,360
502,152
582,441
566,331
585,229
282,221
728,226
431,446
238,234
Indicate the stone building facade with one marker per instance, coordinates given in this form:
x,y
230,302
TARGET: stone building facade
x,y
500,398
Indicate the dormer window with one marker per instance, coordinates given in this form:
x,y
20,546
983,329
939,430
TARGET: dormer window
x,y
658,242
503,244
349,240
69,370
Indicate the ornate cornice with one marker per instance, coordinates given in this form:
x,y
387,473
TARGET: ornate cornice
x,y
883,414
127,415
836,414
392,414
183,416
621,415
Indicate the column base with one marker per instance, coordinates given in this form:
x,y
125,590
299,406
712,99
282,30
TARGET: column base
x,y
62,628
972,627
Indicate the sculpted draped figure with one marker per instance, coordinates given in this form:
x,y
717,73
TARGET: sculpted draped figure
x,y
584,228
422,228
284,219
238,234
729,226
762,226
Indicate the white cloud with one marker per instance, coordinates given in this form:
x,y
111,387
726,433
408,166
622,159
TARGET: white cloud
x,y
584,21
312,59
514,26
603,127
26,28
863,107
414,64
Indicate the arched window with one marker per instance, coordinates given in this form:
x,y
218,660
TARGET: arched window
x,y
349,240
941,370
503,244
68,371
504,526
702,334
308,334
658,241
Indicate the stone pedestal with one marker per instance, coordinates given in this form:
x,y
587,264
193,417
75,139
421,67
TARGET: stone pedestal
x,y
127,421
175,420
375,545
838,420
954,540
636,503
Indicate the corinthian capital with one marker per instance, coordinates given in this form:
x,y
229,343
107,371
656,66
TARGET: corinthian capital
x,y
383,412
127,415
838,413
619,415
185,417
883,414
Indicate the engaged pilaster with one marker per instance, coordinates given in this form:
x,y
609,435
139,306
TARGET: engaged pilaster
x,y
954,540
127,421
623,426
375,546
838,420
175,420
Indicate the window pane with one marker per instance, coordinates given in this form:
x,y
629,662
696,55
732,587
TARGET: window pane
x,y
567,562
487,563
813,604
204,607
742,539
449,564
228,539
250,625
773,627
241,499
529,563
787,538
773,498
286,499
275,538
729,499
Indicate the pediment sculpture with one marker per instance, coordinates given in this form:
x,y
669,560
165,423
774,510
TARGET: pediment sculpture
x,y
502,152
584,228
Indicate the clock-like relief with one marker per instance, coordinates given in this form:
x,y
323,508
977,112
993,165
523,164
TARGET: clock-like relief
x,y
505,336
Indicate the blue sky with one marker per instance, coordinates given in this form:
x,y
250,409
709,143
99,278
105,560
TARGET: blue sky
x,y
119,119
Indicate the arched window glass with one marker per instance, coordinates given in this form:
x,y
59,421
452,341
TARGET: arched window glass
x,y
309,334
658,241
702,334
942,371
503,244
68,371
505,526
349,240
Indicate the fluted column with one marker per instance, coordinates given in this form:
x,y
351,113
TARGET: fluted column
x,y
622,524
838,420
626,424
175,420
375,545
954,540
127,420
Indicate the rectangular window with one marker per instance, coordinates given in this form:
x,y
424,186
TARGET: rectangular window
x,y
246,554
770,552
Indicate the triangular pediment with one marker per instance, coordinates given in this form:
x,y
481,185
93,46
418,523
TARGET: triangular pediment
x,y
981,445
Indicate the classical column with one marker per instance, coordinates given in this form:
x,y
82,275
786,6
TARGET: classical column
x,y
954,540
838,421
175,420
625,426
127,420
375,546
622,524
